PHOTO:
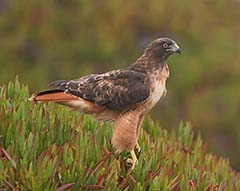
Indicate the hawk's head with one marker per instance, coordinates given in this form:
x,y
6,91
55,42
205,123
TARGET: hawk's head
x,y
163,48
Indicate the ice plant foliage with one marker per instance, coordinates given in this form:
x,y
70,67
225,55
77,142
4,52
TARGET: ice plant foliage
x,y
48,147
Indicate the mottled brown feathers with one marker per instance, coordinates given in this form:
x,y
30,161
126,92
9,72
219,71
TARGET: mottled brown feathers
x,y
116,90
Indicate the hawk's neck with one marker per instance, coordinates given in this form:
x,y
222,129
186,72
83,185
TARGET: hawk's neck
x,y
146,64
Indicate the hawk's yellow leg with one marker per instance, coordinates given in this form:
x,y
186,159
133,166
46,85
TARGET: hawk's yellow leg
x,y
138,148
133,161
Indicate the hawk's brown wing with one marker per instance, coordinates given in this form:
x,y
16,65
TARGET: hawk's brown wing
x,y
116,90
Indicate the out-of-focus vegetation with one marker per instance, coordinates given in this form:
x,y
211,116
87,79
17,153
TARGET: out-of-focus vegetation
x,y
47,147
43,41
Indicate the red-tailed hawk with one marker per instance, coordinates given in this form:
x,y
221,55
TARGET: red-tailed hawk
x,y
123,96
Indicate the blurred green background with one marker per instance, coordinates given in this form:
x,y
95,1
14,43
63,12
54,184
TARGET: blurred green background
x,y
42,41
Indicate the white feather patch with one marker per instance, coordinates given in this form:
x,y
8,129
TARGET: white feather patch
x,y
157,92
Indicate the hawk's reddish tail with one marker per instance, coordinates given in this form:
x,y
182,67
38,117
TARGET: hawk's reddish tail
x,y
52,95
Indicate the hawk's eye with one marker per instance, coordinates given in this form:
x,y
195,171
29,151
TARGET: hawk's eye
x,y
165,45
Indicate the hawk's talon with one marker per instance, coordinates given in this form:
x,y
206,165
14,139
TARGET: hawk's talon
x,y
133,160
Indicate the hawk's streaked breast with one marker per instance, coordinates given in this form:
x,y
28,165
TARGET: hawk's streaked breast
x,y
158,85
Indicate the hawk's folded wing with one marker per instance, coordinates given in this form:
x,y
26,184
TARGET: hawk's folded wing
x,y
116,90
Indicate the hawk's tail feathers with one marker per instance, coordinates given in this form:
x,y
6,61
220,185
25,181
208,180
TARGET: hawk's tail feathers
x,y
55,95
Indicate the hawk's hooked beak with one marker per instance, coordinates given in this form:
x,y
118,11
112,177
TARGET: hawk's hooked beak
x,y
175,48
